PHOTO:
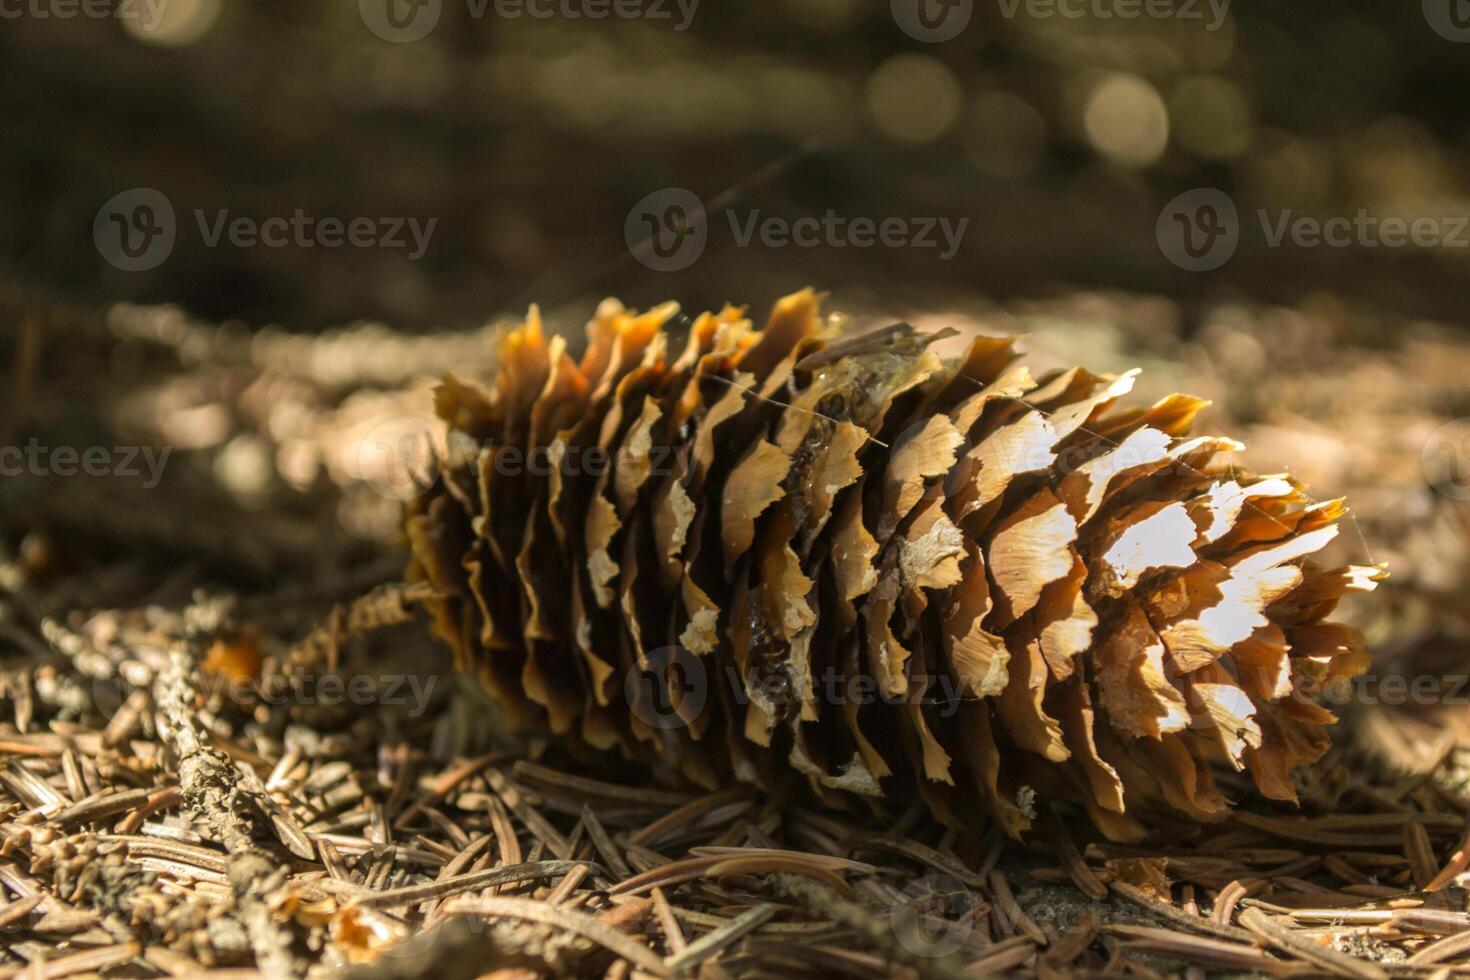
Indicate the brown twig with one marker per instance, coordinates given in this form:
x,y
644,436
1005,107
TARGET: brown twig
x,y
209,784
386,605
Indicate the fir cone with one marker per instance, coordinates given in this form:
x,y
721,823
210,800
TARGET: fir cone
x,y
784,551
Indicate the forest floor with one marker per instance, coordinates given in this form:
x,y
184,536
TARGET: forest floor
x,y
228,744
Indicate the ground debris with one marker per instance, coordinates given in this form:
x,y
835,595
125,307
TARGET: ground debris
x,y
168,811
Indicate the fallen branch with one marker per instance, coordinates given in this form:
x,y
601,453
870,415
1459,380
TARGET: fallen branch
x,y
210,788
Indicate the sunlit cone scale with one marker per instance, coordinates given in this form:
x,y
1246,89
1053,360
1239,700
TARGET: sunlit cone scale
x,y
845,560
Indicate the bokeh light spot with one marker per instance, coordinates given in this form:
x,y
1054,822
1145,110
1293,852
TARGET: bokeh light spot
x,y
913,98
1126,120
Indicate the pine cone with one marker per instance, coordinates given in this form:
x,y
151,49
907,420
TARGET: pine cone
x,y
783,551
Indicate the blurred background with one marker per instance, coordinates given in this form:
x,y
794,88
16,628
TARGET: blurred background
x,y
1124,182
528,139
